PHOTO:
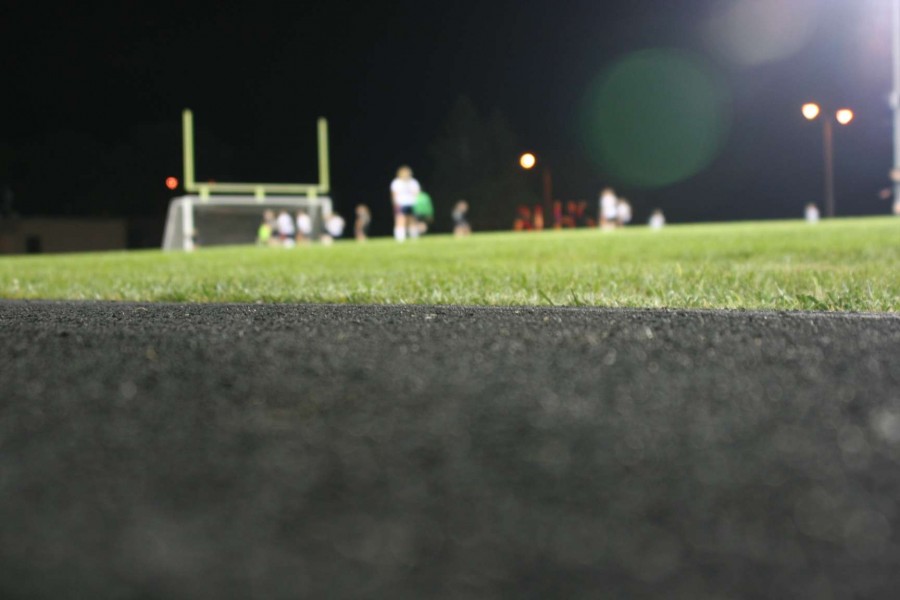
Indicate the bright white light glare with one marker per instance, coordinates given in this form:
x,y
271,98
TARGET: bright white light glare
x,y
811,110
844,116
755,32
527,160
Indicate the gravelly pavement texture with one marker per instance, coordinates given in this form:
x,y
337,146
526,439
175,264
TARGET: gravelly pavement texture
x,y
219,451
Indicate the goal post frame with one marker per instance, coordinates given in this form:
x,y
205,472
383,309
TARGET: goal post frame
x,y
259,190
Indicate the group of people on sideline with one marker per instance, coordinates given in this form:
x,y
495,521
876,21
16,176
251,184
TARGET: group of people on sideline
x,y
288,230
613,212
413,213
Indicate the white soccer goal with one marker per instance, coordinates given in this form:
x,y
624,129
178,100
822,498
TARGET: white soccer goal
x,y
231,220
214,217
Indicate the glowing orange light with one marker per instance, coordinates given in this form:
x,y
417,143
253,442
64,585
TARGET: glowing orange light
x,y
527,161
844,116
811,110
171,182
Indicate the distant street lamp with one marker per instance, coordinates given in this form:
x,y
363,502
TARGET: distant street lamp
x,y
528,161
844,116
811,110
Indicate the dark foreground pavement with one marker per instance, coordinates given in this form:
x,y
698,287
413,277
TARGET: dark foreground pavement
x,y
186,451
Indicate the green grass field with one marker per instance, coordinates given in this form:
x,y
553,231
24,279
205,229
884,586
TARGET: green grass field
x,y
848,264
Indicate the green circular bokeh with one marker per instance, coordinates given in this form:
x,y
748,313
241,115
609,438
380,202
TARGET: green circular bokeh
x,y
655,118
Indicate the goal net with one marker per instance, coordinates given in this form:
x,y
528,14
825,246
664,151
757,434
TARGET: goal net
x,y
232,220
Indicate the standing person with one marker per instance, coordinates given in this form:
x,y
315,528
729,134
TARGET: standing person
x,y
304,227
581,215
811,213
623,212
286,229
266,229
461,227
608,205
423,210
537,221
361,225
557,214
334,228
264,233
404,191
657,220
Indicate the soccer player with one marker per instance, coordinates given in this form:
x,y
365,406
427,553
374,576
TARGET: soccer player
x,y
404,191
304,227
264,233
623,212
461,227
657,220
286,229
608,206
811,213
423,210
361,225
334,228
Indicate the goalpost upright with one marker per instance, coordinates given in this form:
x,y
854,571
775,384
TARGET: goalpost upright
x,y
234,197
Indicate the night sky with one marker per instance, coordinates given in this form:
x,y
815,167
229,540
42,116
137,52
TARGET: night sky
x,y
92,97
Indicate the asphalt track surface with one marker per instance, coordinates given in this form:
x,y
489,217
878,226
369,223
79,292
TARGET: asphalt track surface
x,y
238,451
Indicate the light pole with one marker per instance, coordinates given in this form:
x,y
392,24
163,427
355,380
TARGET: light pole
x,y
812,111
895,104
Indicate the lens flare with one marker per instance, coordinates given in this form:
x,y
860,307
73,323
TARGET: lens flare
x,y
171,182
756,32
655,118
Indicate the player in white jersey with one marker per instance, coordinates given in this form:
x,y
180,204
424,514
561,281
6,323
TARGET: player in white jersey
x,y
608,208
304,227
286,229
334,228
623,212
811,213
404,191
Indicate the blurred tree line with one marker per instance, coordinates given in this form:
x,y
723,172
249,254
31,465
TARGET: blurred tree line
x,y
475,158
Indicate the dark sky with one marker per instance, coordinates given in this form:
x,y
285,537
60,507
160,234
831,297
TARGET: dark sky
x,y
97,88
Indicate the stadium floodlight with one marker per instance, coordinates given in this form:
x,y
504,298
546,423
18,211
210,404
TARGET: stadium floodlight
x,y
219,213
895,96
527,161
